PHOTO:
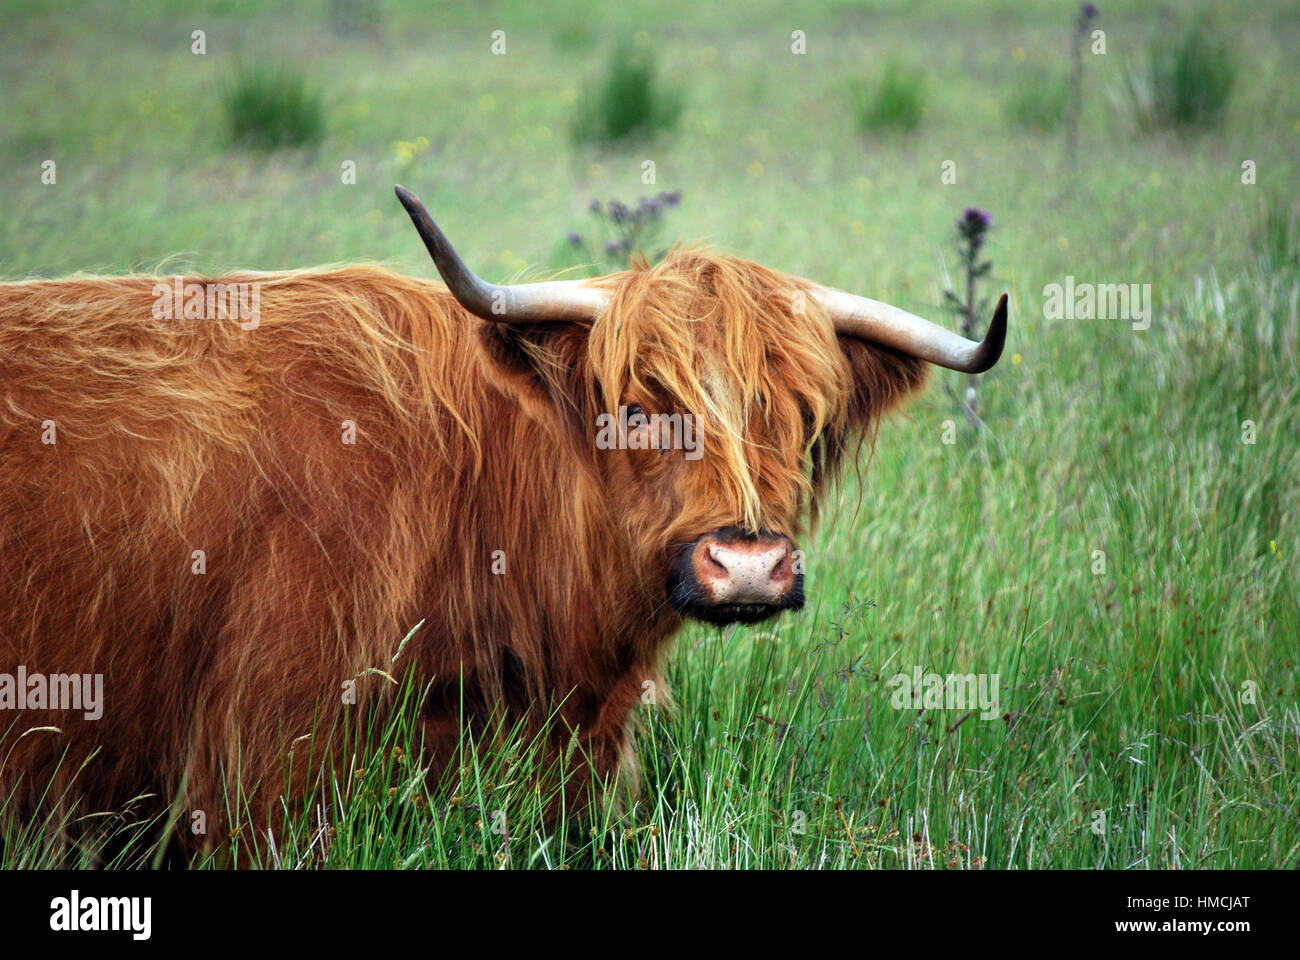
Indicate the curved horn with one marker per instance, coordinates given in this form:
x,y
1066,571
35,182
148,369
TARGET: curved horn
x,y
518,303
906,332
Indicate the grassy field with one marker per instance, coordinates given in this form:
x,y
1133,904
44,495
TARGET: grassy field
x,y
1108,545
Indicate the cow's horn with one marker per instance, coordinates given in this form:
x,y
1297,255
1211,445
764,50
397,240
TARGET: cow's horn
x,y
518,303
881,323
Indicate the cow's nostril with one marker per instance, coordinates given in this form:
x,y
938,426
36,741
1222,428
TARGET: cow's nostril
x,y
716,563
782,568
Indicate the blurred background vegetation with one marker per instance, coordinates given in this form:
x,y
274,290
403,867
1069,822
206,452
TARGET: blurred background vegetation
x,y
790,160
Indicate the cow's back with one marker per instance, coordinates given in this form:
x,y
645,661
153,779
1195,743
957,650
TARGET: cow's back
x,y
211,516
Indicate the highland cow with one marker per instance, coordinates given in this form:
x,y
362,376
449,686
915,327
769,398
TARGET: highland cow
x,y
230,523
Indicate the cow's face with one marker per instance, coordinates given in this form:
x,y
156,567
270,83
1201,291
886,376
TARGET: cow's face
x,y
710,402
722,398
709,398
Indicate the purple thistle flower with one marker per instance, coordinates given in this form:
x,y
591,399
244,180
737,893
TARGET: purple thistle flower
x,y
973,226
974,223
612,248
574,238
619,212
1088,10
671,198
594,206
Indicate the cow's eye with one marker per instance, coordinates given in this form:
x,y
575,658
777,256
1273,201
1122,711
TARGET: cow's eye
x,y
634,410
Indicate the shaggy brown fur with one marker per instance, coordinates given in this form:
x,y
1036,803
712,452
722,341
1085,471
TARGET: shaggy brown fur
x,y
182,435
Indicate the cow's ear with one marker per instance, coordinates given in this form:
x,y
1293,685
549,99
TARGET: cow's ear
x,y
882,379
540,365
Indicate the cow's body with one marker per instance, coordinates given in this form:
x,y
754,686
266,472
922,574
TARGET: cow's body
x,y
320,555
371,456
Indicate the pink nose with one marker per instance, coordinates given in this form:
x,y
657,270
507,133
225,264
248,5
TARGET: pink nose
x,y
759,570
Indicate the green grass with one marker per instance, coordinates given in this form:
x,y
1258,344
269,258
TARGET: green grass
x,y
1186,82
1122,689
1277,234
271,108
628,100
894,101
1038,101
